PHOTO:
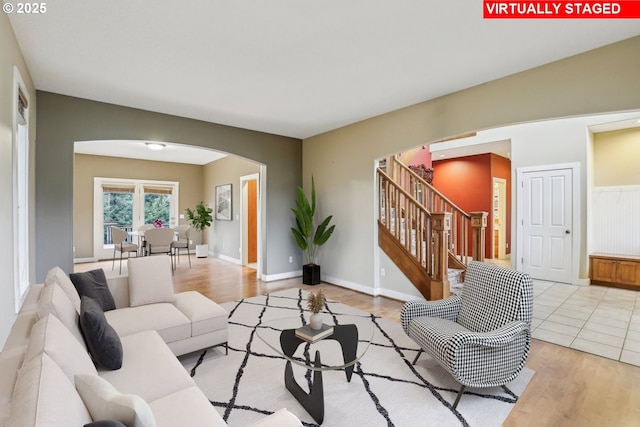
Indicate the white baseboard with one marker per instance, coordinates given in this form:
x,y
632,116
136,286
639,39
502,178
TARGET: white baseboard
x,y
400,296
83,260
582,282
227,258
281,276
389,293
351,285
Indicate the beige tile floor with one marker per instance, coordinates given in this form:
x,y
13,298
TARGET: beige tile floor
x,y
594,319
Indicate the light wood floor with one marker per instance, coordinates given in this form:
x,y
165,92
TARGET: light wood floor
x,y
570,388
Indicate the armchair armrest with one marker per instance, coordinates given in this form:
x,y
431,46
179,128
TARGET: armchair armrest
x,y
445,309
494,339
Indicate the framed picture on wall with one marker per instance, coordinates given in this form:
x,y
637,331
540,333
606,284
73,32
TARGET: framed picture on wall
x,y
223,202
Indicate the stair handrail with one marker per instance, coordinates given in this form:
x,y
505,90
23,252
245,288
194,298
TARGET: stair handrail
x,y
435,201
416,217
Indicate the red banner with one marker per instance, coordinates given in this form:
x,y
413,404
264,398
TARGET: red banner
x,y
625,9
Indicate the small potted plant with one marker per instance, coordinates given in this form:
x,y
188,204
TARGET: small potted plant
x,y
308,237
315,304
200,219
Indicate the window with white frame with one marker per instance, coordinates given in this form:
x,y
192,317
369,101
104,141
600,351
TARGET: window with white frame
x,y
20,161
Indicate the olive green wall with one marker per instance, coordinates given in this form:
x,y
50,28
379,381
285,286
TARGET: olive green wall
x,y
342,161
87,167
62,120
615,158
224,236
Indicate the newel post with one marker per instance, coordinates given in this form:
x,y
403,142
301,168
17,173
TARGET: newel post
x,y
441,225
479,225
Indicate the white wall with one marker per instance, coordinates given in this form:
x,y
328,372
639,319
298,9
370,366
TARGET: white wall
x,y
10,57
555,142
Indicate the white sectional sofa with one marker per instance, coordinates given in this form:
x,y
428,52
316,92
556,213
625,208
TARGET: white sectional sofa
x,y
49,378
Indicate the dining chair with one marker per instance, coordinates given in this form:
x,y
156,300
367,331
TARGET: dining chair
x,y
141,230
184,232
119,237
159,240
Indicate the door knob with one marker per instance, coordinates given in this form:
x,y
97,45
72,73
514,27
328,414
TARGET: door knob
x,y
567,231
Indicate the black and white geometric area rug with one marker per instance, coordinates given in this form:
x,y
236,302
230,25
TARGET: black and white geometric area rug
x,y
385,390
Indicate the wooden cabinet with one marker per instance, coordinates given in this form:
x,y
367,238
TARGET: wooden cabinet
x,y
621,271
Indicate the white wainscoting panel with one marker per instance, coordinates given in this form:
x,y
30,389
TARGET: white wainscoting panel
x,y
616,221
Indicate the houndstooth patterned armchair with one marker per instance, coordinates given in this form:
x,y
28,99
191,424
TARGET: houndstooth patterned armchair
x,y
482,337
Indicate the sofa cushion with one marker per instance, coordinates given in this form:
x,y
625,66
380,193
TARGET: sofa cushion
x,y
105,402
11,361
93,284
44,396
59,277
149,369
49,335
187,407
102,340
164,318
105,423
204,314
53,300
21,331
150,280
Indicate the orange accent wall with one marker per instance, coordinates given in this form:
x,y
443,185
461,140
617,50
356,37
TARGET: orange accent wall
x,y
467,182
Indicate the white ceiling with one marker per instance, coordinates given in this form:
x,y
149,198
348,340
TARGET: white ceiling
x,y
175,153
288,67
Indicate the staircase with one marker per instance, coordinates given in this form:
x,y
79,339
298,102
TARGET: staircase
x,y
426,235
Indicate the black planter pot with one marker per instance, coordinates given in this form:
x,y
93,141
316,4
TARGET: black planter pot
x,y
311,274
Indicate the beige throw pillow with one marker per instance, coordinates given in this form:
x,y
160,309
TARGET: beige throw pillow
x,y
106,403
44,396
53,300
59,277
50,336
150,280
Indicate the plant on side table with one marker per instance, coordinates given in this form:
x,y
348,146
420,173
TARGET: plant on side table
x,y
308,237
200,219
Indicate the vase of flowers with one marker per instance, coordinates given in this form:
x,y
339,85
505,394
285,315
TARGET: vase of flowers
x,y
157,223
315,304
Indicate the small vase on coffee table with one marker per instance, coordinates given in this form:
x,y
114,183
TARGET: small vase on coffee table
x,y
315,321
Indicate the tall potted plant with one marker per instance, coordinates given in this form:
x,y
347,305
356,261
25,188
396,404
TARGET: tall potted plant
x,y
200,219
309,237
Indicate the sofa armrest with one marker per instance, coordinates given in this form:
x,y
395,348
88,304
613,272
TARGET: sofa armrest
x,y
119,287
281,418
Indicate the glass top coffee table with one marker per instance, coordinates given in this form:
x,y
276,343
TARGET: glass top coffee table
x,y
341,350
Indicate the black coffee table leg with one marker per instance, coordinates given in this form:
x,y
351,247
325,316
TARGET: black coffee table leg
x,y
347,336
313,401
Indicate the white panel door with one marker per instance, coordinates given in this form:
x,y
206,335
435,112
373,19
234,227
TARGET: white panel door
x,y
547,224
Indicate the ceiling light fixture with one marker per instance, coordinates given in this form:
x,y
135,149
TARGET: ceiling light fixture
x,y
155,146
